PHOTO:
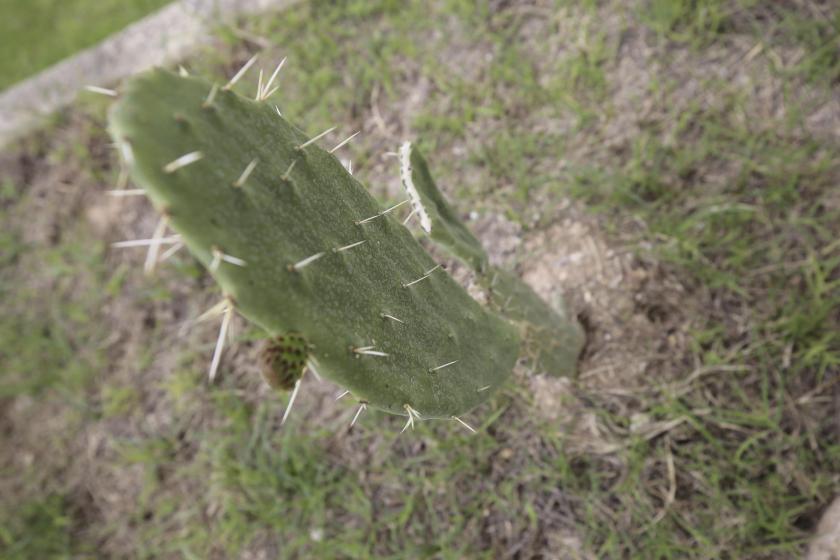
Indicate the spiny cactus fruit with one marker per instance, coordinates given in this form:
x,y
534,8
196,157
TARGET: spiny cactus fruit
x,y
299,246
551,340
284,360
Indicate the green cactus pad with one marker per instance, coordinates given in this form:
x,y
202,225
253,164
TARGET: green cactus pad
x,y
435,215
321,258
551,341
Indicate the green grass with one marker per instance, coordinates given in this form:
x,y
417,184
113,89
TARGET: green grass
x,y
45,335
41,529
737,204
37,33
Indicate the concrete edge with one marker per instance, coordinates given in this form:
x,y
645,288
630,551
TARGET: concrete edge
x,y
167,35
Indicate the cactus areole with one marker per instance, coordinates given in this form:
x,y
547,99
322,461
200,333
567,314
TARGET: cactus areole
x,y
299,246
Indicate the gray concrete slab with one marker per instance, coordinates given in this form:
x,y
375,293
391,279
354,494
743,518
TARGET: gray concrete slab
x,y
165,36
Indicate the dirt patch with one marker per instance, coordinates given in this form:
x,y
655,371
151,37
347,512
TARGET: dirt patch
x,y
635,313
826,545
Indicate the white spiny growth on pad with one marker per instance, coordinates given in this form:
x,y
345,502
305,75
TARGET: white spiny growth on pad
x,y
182,161
291,400
154,246
444,365
211,96
127,153
265,92
411,189
219,257
345,141
126,192
311,365
220,342
369,351
426,275
362,408
315,138
346,247
308,260
246,173
387,316
412,414
241,72
394,207
409,422
214,311
341,395
233,260
288,172
102,91
269,93
410,215
146,242
171,251
217,309
464,424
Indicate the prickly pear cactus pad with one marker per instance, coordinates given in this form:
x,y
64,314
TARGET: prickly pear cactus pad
x,y
298,245
551,340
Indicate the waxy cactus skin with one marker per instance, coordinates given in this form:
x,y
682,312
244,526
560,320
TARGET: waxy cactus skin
x,y
299,246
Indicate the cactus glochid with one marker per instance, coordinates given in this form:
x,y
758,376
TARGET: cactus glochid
x,y
301,249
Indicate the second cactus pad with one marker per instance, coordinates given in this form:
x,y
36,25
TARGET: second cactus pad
x,y
300,246
551,339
